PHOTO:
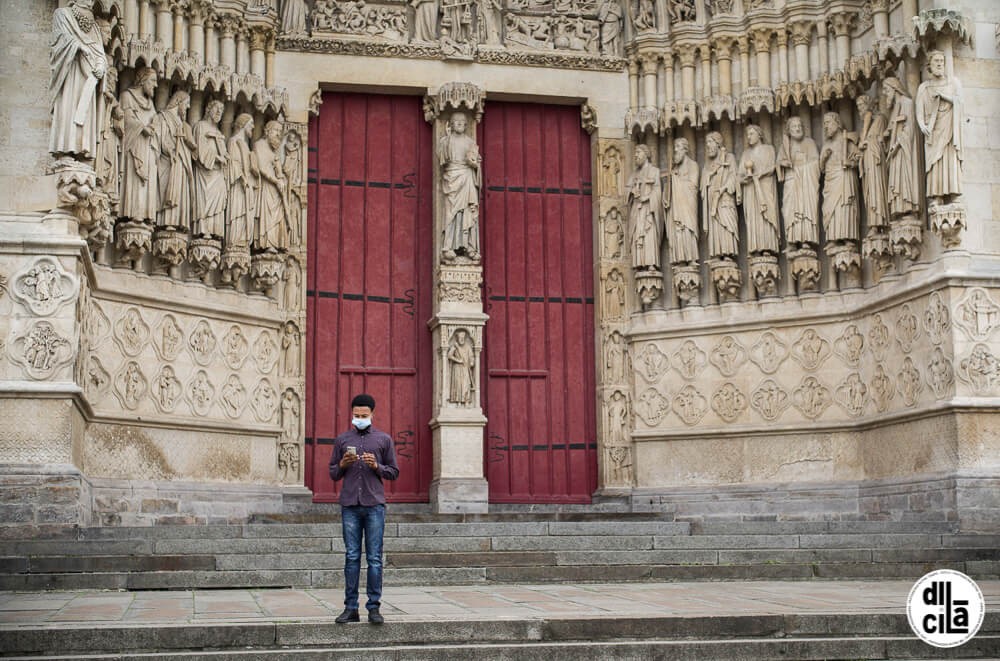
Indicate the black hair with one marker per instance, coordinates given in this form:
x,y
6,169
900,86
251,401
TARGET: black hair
x,y
363,399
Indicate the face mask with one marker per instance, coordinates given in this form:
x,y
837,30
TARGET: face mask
x,y
361,423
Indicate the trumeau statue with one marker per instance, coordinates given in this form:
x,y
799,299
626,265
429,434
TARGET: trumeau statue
x,y
720,194
873,165
425,20
77,63
645,212
462,368
140,150
460,181
176,175
271,229
760,193
838,160
939,115
211,190
798,167
681,203
242,178
903,187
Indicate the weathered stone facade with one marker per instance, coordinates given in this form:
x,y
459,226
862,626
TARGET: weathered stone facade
x,y
796,222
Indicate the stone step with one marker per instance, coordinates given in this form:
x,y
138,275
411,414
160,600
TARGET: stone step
x,y
802,636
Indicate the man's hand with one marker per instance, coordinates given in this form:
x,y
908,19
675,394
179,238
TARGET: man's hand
x,y
347,460
369,460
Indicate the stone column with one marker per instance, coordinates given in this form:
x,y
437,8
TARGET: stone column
x,y
668,76
459,483
782,37
705,52
633,84
258,41
131,11
801,38
824,48
144,27
744,44
269,60
880,17
242,50
164,23
177,8
687,56
196,33
724,56
841,24
229,26
762,47
211,41
649,63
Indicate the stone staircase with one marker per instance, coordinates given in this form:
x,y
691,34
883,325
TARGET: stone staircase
x,y
424,549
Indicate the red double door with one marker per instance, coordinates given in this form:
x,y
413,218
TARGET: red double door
x,y
369,293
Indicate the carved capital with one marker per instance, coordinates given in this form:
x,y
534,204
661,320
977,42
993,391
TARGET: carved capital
x,y
723,47
687,54
842,23
762,40
260,35
179,7
801,32
879,6
455,96
199,11
744,44
230,25
782,38
633,68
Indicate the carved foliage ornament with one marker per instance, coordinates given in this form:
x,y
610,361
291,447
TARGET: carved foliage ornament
x,y
44,286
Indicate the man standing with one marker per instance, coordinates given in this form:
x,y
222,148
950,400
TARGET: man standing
x,y
78,63
363,456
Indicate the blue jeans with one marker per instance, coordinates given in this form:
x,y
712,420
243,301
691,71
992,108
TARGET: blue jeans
x,y
370,522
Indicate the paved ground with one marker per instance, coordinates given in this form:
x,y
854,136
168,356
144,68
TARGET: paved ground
x,y
448,603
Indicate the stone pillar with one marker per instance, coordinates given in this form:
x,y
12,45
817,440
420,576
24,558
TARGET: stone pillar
x,y
880,18
801,37
164,24
178,7
196,34
269,61
724,56
824,48
258,41
706,70
131,11
144,22
211,41
744,44
649,63
242,51
762,47
633,84
782,37
229,26
668,76
841,23
459,483
687,56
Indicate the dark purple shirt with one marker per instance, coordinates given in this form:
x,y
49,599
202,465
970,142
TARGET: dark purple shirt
x,y
363,485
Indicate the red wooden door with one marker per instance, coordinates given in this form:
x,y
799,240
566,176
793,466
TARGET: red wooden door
x,y
369,282
539,341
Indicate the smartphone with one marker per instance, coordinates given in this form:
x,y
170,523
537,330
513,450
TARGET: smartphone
x,y
352,450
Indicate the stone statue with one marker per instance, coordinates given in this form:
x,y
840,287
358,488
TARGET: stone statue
x,y
291,343
798,167
490,16
462,368
681,202
939,115
77,64
643,15
242,178
610,16
211,189
645,212
107,162
292,169
839,160
614,233
903,189
425,20
271,229
460,181
290,415
720,195
293,18
140,150
760,193
176,174
872,165
456,22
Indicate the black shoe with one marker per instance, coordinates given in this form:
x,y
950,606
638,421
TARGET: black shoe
x,y
349,615
374,617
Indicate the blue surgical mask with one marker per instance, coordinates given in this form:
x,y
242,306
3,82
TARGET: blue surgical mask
x,y
361,423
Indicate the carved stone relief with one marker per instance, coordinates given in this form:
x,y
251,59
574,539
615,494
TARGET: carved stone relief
x,y
770,400
937,320
41,350
618,417
235,347
909,383
233,397
293,285
291,350
940,374
200,393
167,389
616,358
977,315
652,363
621,464
44,286
768,353
202,343
882,389
611,172
291,412
97,381
288,462
981,370
651,406
614,234
131,332
850,346
131,385
461,357
810,350
265,352
690,405
729,402
689,360
614,294
264,401
852,395
95,324
907,328
811,398
878,336
728,356
171,338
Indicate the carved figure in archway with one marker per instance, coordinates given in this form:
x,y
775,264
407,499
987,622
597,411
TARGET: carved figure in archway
x,y
462,368
140,150
760,193
176,174
211,190
798,167
645,212
271,230
839,160
77,63
873,164
460,181
681,202
939,115
720,194
242,178
901,150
